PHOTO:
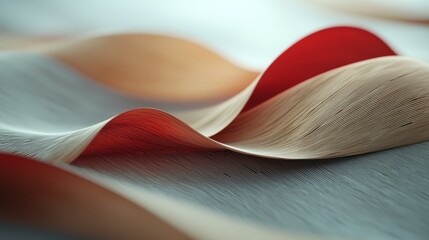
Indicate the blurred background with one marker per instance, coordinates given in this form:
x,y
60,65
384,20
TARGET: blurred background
x,y
249,32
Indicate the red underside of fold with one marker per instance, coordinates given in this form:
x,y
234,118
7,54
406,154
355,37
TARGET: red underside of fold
x,y
315,54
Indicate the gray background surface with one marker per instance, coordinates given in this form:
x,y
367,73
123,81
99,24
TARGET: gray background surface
x,y
382,195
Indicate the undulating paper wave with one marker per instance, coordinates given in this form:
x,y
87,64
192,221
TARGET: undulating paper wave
x,y
338,92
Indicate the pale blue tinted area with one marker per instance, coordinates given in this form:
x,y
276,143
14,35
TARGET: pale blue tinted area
x,y
15,232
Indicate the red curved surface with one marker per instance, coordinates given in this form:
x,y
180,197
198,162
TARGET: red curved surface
x,y
38,194
146,130
317,53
